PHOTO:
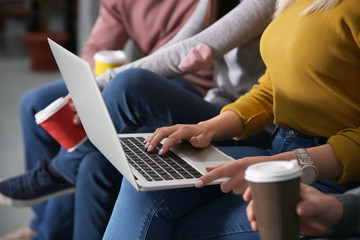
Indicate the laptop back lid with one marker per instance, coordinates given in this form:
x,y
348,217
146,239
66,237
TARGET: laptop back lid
x,y
91,108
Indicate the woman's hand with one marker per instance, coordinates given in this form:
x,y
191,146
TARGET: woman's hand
x,y
235,171
224,126
196,134
76,119
318,212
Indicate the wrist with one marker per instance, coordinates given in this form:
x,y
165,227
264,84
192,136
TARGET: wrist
x,y
208,128
284,156
307,166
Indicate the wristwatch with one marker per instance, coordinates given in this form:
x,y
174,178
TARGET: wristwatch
x,y
307,166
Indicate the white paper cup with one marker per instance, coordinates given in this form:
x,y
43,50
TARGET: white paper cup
x,y
275,188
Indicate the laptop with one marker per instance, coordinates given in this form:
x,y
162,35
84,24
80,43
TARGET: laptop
x,y
120,149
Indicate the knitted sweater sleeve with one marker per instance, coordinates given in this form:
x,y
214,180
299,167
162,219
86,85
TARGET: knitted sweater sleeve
x,y
243,23
194,25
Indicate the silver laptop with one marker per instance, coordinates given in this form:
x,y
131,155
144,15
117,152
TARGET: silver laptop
x,y
126,152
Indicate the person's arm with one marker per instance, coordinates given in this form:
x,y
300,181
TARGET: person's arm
x,y
107,33
346,146
194,25
338,159
223,126
240,25
235,170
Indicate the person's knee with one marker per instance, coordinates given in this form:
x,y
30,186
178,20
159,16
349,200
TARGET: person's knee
x,y
39,97
30,99
95,169
130,81
91,165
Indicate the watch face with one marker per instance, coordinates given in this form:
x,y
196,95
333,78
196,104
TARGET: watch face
x,y
309,175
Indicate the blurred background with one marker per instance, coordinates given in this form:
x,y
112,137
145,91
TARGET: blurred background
x,y
22,20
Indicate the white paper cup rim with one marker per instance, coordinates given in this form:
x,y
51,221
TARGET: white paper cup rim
x,y
52,108
110,56
274,171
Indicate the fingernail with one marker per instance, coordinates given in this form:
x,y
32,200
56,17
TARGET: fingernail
x,y
199,183
150,148
76,121
161,152
147,145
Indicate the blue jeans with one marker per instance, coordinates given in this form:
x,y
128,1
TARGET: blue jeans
x,y
39,145
206,213
138,101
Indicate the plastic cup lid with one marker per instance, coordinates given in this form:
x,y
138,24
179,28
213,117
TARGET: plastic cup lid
x,y
110,56
52,108
275,171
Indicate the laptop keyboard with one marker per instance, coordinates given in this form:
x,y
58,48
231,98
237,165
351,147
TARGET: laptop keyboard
x,y
154,167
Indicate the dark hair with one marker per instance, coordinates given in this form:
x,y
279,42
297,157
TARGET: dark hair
x,y
216,9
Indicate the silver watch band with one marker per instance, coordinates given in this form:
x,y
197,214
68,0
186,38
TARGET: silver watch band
x,y
303,156
310,171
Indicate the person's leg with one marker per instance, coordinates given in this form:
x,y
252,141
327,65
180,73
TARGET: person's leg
x,y
161,214
222,222
150,215
58,220
98,184
141,101
38,144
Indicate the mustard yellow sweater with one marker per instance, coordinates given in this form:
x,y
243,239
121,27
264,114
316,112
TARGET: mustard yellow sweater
x,y
312,82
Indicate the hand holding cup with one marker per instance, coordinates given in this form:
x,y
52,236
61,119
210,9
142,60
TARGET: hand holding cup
x,y
275,191
58,120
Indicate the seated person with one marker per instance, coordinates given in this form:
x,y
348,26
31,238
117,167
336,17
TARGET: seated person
x,y
309,90
96,180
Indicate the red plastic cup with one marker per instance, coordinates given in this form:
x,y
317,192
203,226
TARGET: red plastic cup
x,y
57,120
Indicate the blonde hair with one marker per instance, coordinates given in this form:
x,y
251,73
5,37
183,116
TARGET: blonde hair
x,y
316,5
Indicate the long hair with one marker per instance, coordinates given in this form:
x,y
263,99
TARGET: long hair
x,y
317,5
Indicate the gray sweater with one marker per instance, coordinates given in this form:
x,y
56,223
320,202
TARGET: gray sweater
x,y
234,40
